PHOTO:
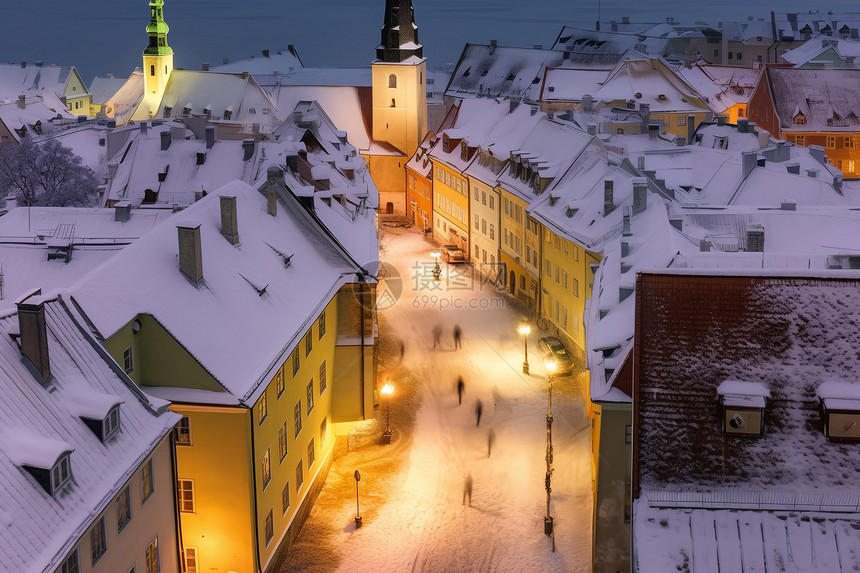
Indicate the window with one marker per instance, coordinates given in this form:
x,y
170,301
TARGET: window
x,y
392,81
309,343
483,196
682,120
800,140
185,495
739,55
279,382
311,452
128,359
491,201
123,508
477,251
492,232
282,441
564,279
576,287
309,391
323,430
296,361
270,528
477,222
322,378
152,70
61,474
730,55
266,469
557,279
628,434
297,417
98,540
153,563
831,141
321,325
393,103
110,425
182,431
799,119
548,268
190,560
741,112
285,498
228,114
716,53
71,565
300,476
262,408
483,255
146,485
523,282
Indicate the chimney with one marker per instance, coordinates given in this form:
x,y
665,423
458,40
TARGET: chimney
x,y
743,125
273,175
492,47
749,160
587,102
23,64
704,246
22,101
625,247
229,221
265,53
177,133
677,223
190,252
247,149
691,128
817,153
783,152
34,333
721,119
640,194
210,136
625,222
793,168
143,127
201,158
165,140
293,162
591,129
751,127
122,211
640,163
755,239
653,130
608,197
680,141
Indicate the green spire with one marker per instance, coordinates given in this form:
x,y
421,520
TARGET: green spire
x,y
157,31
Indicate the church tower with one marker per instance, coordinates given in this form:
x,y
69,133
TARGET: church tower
x,y
157,57
399,81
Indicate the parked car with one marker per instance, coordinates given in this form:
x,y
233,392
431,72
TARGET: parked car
x,y
452,254
549,346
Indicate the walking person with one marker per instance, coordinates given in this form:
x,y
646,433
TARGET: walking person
x,y
467,490
460,387
457,334
479,409
437,336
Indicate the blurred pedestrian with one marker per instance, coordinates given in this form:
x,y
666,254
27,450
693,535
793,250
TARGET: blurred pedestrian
x,y
467,490
437,335
402,350
479,409
457,334
460,387
490,439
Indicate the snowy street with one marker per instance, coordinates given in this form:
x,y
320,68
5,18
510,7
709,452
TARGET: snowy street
x,y
413,493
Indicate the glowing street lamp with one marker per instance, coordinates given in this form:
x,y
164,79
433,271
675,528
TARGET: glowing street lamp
x,y
525,329
387,390
551,365
357,477
437,270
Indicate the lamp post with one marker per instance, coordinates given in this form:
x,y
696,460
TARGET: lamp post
x,y
551,364
387,390
525,329
437,270
357,512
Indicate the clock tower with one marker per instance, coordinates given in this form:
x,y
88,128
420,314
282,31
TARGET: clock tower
x,y
158,56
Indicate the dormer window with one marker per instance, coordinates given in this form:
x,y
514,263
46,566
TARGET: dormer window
x,y
186,111
464,151
446,143
840,403
742,405
167,111
799,119
61,474
228,114
110,425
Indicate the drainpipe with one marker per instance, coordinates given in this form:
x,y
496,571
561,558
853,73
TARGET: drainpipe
x,y
255,533
362,294
180,546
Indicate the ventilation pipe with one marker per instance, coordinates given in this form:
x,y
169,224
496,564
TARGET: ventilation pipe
x,y
122,211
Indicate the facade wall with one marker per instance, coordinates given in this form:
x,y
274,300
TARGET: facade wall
x,y
400,104
352,397
512,249
387,174
842,148
419,199
676,123
450,206
612,507
484,205
153,521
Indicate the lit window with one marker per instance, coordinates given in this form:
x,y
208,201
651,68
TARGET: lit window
x,y
270,528
128,359
799,119
190,560
285,497
323,430
282,441
153,561
322,378
98,540
266,469
262,408
123,508
185,495
297,417
300,476
310,396
800,140
279,382
311,453
146,485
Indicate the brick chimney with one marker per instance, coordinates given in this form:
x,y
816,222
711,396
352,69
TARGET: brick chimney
x,y
190,252
34,333
608,197
229,220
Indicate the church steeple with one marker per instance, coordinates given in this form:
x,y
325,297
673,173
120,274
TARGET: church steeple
x,y
399,33
157,31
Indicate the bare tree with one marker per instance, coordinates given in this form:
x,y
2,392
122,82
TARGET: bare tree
x,y
46,174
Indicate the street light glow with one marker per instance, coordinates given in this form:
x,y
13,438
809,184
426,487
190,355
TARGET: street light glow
x,y
388,388
551,364
435,254
524,329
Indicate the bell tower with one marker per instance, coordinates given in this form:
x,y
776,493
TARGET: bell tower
x,y
158,56
399,76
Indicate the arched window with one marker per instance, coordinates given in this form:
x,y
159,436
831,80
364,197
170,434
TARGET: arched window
x,y
392,81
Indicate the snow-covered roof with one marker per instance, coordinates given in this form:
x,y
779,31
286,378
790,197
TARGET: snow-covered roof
x,y
36,117
647,38
39,424
280,61
123,103
226,324
352,77
570,84
32,79
797,25
722,87
829,99
500,71
103,88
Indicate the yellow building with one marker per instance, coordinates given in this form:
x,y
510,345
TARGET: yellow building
x,y
450,198
521,283
267,353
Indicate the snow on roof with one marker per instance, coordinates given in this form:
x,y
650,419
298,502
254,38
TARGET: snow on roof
x,y
646,38
123,103
280,61
38,424
830,99
568,84
317,77
499,71
722,86
795,25
15,79
36,117
785,333
225,324
103,89
85,402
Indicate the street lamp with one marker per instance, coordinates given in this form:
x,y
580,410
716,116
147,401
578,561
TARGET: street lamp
x,y
551,364
437,270
387,390
357,477
525,329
